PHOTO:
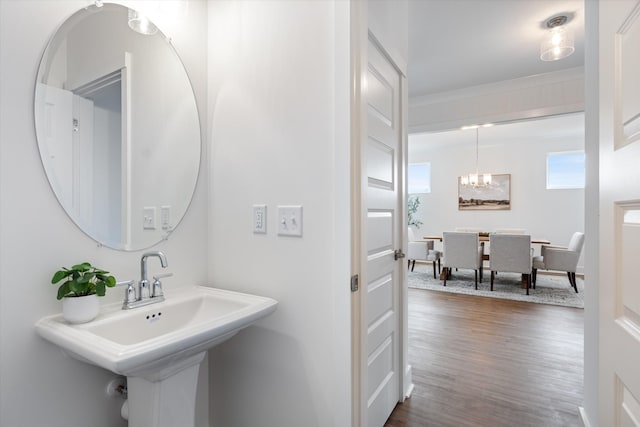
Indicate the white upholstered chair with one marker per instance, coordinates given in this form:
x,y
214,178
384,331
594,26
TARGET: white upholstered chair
x,y
560,258
422,251
462,250
487,248
511,253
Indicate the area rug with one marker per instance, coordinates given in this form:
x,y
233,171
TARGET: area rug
x,y
550,289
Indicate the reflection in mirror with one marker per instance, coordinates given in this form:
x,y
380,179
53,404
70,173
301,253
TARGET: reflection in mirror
x,y
117,127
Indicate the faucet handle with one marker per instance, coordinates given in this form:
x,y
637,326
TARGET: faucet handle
x,y
130,292
156,286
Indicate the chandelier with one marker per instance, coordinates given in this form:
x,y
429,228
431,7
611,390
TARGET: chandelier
x,y
476,179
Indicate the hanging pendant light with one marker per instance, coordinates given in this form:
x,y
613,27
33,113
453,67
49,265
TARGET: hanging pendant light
x,y
558,41
476,179
141,23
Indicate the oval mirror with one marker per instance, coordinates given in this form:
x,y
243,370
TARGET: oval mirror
x,y
117,127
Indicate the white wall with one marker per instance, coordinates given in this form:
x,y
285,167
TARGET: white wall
x,y
39,385
279,89
518,149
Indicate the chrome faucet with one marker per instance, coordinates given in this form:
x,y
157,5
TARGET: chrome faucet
x,y
143,286
145,296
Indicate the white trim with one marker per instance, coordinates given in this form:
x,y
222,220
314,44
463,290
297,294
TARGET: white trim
x,y
517,99
358,46
406,383
583,417
505,85
126,153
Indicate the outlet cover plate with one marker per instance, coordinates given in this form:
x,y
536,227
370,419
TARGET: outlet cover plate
x,y
260,219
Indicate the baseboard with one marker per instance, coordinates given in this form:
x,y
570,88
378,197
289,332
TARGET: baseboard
x,y
408,381
558,273
410,390
583,417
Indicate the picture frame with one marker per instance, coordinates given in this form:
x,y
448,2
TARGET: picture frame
x,y
494,196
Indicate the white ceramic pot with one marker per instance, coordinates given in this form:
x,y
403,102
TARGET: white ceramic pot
x,y
80,309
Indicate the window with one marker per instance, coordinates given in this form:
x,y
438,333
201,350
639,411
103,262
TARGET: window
x,y
565,170
419,178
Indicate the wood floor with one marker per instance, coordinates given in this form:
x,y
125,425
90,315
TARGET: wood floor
x,y
490,362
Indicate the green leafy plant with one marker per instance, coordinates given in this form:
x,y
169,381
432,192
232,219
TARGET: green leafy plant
x,y
81,280
412,207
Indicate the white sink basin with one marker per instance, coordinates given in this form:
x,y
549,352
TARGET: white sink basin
x,y
153,342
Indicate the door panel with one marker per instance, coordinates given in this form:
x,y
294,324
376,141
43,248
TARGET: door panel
x,y
58,122
383,221
619,140
380,164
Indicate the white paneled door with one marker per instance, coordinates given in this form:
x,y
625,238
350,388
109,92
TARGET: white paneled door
x,y
619,139
381,233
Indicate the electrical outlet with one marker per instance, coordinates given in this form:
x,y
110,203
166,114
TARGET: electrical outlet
x,y
165,217
149,218
260,219
290,221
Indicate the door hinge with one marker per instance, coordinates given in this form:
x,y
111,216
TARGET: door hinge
x,y
354,283
398,254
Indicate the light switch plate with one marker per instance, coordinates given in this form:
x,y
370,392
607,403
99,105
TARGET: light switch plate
x,y
149,218
290,221
260,219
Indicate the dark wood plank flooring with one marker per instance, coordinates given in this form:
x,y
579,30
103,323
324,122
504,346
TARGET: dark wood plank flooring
x,y
489,362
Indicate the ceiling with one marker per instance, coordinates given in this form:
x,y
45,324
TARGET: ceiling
x,y
455,44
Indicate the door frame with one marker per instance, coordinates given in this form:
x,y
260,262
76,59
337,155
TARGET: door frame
x,y
360,36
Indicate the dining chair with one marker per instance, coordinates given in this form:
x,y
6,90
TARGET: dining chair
x,y
510,231
487,248
422,251
511,253
462,250
560,258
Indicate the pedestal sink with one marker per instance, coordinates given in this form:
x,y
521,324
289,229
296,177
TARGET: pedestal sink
x,y
159,347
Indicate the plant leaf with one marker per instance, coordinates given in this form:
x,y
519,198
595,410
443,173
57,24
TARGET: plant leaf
x,y
59,275
111,281
76,287
86,278
63,290
100,289
81,267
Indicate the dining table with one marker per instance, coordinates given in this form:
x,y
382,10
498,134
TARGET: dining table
x,y
484,237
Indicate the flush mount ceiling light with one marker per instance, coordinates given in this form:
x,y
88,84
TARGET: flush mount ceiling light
x,y
558,40
473,179
141,24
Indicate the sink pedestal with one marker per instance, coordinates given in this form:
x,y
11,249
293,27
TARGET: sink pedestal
x,y
166,398
159,347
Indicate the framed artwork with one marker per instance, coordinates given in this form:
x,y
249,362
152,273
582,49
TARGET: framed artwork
x,y
493,197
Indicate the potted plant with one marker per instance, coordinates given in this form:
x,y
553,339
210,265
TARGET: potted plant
x,y
412,208
81,285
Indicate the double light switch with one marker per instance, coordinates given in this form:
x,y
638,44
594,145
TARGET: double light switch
x,y
290,221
